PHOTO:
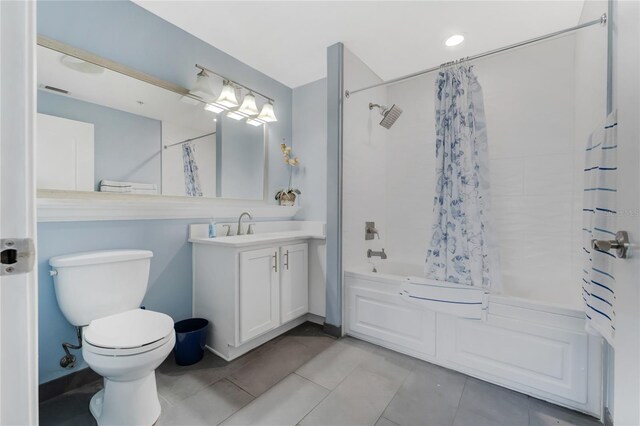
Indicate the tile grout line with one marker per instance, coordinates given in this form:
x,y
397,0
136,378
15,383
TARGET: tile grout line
x,y
311,381
466,380
230,380
390,421
276,383
240,408
330,390
396,392
315,406
343,379
318,403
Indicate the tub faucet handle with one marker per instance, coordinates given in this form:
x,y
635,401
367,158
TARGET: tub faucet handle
x,y
370,231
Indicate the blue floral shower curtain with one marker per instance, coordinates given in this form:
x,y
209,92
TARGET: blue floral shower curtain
x,y
191,177
461,248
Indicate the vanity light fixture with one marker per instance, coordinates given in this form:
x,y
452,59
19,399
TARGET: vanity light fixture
x,y
236,115
214,107
229,99
254,122
249,106
454,40
228,96
267,115
203,89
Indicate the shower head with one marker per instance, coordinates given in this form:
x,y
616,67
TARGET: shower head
x,y
389,115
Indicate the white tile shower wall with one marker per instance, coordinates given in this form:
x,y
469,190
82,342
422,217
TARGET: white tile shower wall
x,y
364,157
529,99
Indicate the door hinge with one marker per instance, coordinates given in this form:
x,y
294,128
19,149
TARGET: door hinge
x,y
17,256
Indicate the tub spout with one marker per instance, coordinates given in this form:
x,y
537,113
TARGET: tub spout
x,y
381,254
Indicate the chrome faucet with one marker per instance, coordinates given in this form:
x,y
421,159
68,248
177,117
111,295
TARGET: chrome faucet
x,y
239,231
380,254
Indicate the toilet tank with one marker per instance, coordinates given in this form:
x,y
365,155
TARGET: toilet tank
x,y
96,284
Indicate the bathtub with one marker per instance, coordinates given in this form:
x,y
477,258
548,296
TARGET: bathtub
x,y
537,348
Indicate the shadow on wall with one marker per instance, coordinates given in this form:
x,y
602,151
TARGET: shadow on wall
x,y
169,289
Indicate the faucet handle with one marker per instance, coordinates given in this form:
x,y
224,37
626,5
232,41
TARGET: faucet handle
x,y
228,233
370,231
250,229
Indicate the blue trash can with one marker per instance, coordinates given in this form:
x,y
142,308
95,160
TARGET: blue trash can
x,y
191,337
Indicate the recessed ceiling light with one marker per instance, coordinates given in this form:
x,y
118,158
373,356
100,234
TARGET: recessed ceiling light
x,y
454,40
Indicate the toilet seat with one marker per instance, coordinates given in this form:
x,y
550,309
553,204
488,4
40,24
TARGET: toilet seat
x,y
128,333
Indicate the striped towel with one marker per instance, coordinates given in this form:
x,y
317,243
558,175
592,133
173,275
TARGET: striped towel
x,y
128,187
599,222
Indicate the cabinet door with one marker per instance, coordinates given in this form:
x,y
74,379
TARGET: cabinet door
x,y
259,292
294,281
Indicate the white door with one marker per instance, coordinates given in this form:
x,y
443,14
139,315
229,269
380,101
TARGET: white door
x,y
294,281
64,154
626,75
259,292
18,291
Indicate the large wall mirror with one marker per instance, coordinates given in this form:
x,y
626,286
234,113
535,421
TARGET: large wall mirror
x,y
102,127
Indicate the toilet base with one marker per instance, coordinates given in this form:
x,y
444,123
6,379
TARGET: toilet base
x,y
127,403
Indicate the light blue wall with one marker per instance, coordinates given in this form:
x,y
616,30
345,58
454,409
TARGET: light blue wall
x,y
310,144
126,33
126,146
240,160
169,281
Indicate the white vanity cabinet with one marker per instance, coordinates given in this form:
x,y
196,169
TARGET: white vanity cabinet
x,y
274,288
259,292
251,293
294,281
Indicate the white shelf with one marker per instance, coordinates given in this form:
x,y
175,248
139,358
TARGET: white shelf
x,y
98,207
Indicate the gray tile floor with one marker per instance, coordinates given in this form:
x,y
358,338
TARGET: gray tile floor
x,y
307,378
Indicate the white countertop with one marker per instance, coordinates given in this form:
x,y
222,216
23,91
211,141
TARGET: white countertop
x,y
267,232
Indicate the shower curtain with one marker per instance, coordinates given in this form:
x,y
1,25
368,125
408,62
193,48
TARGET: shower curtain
x,y
462,249
191,178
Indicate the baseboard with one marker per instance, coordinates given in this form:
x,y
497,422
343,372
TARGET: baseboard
x,y
316,319
66,383
332,330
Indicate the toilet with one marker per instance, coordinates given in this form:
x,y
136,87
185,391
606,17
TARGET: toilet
x,y
101,291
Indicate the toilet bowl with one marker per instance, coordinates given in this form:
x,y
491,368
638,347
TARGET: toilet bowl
x,y
101,292
125,349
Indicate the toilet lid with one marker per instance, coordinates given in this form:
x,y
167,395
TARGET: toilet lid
x,y
130,329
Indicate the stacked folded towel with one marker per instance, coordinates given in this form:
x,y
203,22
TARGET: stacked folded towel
x,y
128,187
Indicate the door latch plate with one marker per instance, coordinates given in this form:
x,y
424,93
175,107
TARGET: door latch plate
x,y
17,256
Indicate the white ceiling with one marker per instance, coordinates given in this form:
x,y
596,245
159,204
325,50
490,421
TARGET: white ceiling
x,y
288,40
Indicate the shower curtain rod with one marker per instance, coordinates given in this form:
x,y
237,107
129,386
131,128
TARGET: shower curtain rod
x,y
602,21
189,140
